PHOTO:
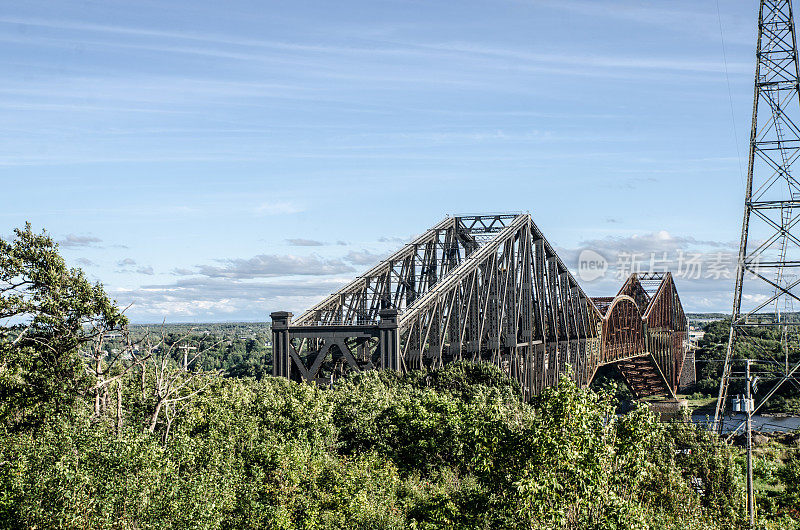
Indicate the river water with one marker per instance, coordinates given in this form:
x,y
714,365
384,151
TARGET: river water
x,y
760,423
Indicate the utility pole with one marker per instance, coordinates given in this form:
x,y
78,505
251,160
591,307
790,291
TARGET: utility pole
x,y
751,512
186,348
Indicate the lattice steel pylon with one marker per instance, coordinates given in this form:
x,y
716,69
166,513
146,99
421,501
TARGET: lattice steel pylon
x,y
769,252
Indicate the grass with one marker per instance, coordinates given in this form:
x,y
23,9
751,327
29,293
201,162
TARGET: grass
x,y
700,405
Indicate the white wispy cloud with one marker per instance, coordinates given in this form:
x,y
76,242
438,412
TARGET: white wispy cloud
x,y
637,62
300,242
365,257
85,262
77,241
270,265
703,269
318,59
666,16
278,208
216,298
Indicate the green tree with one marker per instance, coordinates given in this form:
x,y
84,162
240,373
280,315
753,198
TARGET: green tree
x,y
790,475
49,312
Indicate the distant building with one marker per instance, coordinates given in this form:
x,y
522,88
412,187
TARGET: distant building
x,y
695,336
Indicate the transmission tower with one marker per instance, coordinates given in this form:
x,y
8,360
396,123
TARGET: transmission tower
x,y
767,281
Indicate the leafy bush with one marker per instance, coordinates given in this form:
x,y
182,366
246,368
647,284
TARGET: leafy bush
x,y
456,447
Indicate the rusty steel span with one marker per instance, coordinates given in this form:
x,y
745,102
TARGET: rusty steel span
x,y
489,288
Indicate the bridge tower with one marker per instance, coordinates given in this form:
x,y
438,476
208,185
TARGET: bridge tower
x,y
767,281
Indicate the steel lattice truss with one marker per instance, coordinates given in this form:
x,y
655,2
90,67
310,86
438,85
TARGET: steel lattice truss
x,y
652,300
485,288
407,274
767,282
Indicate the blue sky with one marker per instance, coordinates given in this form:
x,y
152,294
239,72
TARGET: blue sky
x,y
219,161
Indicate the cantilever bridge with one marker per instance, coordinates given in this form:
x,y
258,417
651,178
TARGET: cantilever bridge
x,y
488,288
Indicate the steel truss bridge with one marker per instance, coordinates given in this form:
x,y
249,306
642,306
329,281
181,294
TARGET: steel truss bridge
x,y
488,288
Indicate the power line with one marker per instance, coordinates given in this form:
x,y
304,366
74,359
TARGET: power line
x,y
730,97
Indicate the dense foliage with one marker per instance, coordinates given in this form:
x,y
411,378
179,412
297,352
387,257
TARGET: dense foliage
x,y
760,343
450,448
130,435
235,349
